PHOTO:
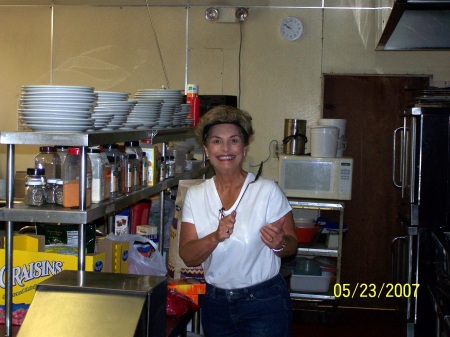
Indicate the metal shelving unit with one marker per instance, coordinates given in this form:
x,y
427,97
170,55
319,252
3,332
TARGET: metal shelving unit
x,y
14,212
321,250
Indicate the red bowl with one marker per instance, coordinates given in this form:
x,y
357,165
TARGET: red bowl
x,y
306,235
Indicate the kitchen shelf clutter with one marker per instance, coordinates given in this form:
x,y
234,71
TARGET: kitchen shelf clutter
x,y
317,287
51,213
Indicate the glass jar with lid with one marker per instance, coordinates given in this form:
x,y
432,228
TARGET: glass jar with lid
x,y
35,193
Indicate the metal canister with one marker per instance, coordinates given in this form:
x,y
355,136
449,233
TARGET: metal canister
x,y
294,137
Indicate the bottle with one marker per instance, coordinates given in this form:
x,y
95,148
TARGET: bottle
x,y
98,175
130,173
119,158
144,171
107,172
48,160
71,179
194,100
115,177
162,168
134,148
171,167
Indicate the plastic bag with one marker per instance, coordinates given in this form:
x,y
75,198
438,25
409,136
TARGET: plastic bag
x,y
152,263
178,304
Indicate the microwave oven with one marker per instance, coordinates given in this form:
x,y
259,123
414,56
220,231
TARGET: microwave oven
x,y
317,178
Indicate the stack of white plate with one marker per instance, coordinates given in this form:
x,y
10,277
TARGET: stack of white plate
x,y
57,108
146,112
112,110
179,118
171,104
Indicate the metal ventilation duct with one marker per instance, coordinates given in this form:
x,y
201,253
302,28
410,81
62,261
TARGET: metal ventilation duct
x,y
417,25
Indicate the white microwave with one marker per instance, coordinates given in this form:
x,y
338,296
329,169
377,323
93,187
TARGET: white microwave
x,y
317,178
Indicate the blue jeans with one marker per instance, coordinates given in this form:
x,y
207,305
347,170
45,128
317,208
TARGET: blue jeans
x,y
262,310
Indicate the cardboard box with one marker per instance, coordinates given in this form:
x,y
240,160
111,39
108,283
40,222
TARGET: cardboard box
x,y
116,255
31,265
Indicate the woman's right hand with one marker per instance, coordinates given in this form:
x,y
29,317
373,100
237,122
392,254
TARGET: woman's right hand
x,y
226,226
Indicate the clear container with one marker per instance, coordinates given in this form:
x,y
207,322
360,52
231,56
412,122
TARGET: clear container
x,y
170,164
36,174
130,174
98,175
107,173
134,148
61,151
35,193
162,168
115,177
51,186
144,170
71,177
48,159
59,192
120,159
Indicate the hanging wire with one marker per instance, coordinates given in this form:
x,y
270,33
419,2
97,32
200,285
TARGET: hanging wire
x,y
270,153
157,45
239,62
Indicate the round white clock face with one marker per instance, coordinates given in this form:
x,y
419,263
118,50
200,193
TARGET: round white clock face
x,y
291,28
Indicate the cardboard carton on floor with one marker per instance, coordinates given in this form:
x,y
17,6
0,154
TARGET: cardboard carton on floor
x,y
31,266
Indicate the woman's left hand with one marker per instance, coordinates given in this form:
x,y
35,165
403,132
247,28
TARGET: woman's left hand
x,y
272,234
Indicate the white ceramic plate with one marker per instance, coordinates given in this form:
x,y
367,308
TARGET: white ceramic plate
x,y
60,128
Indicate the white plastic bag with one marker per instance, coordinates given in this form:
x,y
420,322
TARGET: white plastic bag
x,y
137,263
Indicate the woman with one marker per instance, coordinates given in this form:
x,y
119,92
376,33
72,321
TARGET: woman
x,y
238,229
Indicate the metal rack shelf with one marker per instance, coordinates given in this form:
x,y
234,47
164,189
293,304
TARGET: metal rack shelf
x,y
51,213
321,250
15,212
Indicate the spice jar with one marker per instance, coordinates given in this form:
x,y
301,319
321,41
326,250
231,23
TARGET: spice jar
x,y
59,192
134,148
35,193
71,177
130,173
115,177
51,186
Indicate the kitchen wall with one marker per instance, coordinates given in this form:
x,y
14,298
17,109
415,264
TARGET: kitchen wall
x,y
114,48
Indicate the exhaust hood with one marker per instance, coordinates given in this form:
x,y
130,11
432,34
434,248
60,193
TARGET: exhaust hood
x,y
417,25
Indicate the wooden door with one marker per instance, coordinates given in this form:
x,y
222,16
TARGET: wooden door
x,y
372,106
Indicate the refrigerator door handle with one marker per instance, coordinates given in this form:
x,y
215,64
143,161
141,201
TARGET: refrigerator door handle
x,y
397,182
396,270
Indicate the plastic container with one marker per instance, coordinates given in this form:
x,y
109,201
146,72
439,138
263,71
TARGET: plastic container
x,y
342,140
134,148
59,192
48,159
311,283
307,235
130,174
98,175
120,159
71,178
324,141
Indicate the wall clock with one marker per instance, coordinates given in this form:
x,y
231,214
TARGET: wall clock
x,y
291,28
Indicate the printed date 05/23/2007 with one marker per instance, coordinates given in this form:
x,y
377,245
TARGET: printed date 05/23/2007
x,y
372,290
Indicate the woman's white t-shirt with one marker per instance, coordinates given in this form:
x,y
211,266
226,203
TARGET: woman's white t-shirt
x,y
243,259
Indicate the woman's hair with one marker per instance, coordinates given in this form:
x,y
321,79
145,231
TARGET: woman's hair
x,y
224,114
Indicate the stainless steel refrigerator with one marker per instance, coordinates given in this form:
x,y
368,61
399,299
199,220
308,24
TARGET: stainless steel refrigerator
x,y
421,171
